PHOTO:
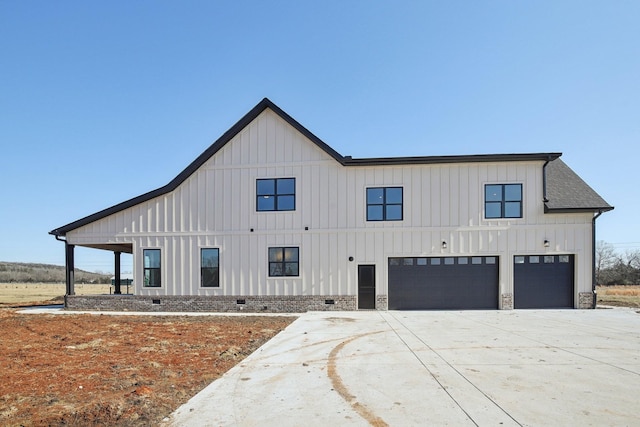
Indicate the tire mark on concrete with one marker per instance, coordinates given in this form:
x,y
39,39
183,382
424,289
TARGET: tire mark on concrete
x,y
343,391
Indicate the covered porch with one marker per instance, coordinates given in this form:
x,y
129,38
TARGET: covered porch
x,y
116,248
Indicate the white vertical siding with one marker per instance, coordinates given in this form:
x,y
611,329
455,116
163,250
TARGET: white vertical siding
x,y
215,207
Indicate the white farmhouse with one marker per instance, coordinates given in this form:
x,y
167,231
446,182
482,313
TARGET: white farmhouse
x,y
270,218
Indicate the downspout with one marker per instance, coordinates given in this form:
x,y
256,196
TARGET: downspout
x,y
593,258
544,182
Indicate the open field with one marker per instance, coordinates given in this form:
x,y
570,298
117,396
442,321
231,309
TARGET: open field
x,y
621,295
79,370
20,293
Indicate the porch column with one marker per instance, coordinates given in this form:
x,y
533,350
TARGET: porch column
x,y
117,290
70,276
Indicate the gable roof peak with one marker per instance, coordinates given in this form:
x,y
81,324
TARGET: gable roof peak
x,y
344,161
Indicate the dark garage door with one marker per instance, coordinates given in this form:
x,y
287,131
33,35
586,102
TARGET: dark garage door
x,y
443,283
543,281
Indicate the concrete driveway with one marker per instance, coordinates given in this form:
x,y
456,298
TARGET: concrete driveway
x,y
507,368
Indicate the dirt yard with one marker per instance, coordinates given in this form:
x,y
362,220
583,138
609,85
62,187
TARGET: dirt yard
x,y
79,370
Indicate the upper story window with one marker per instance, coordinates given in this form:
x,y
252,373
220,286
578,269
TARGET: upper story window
x,y
384,204
152,266
278,194
210,267
503,201
284,262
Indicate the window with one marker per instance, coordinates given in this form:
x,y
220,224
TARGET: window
x,y
384,204
283,262
276,194
503,201
151,273
210,268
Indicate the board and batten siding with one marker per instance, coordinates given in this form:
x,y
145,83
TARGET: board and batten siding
x,y
215,208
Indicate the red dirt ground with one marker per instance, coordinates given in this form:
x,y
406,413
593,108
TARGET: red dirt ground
x,y
78,370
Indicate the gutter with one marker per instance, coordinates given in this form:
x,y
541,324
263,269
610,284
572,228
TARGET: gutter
x,y
593,258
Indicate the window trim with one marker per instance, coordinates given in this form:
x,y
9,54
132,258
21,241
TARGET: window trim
x,y
384,203
275,194
151,269
283,262
503,202
202,269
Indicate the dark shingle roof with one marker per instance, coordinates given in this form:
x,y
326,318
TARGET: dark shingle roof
x,y
567,192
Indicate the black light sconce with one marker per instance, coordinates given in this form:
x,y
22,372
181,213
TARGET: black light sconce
x,y
350,259
546,243
444,245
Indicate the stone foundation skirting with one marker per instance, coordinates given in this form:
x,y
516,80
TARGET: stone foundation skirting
x,y
201,303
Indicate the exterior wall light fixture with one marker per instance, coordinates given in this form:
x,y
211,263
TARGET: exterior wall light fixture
x,y
444,245
546,243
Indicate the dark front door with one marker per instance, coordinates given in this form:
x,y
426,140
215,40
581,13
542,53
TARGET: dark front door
x,y
366,286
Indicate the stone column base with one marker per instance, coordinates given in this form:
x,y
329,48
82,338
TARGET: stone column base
x,y
382,302
507,302
585,300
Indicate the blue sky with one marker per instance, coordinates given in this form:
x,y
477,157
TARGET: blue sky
x,y
104,101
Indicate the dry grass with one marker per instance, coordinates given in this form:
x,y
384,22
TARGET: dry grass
x,y
622,296
20,293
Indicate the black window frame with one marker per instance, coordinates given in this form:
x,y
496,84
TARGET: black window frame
x,y
281,267
278,197
385,204
504,201
151,272
212,272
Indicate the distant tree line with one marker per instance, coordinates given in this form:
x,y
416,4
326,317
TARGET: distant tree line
x,y
14,272
615,268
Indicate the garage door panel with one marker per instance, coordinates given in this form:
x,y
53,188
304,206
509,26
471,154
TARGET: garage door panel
x,y
543,281
443,283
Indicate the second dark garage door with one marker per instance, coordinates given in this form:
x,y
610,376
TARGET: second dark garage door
x,y
443,283
543,281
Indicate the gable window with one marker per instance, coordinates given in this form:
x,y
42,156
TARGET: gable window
x,y
210,268
283,262
503,201
151,273
384,204
277,194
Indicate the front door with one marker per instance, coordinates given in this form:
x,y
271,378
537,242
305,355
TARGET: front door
x,y
366,287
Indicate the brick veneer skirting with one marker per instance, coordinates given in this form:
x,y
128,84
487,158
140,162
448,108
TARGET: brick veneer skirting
x,y
199,303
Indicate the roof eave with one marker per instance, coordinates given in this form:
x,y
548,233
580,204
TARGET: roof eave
x,y
577,210
475,158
